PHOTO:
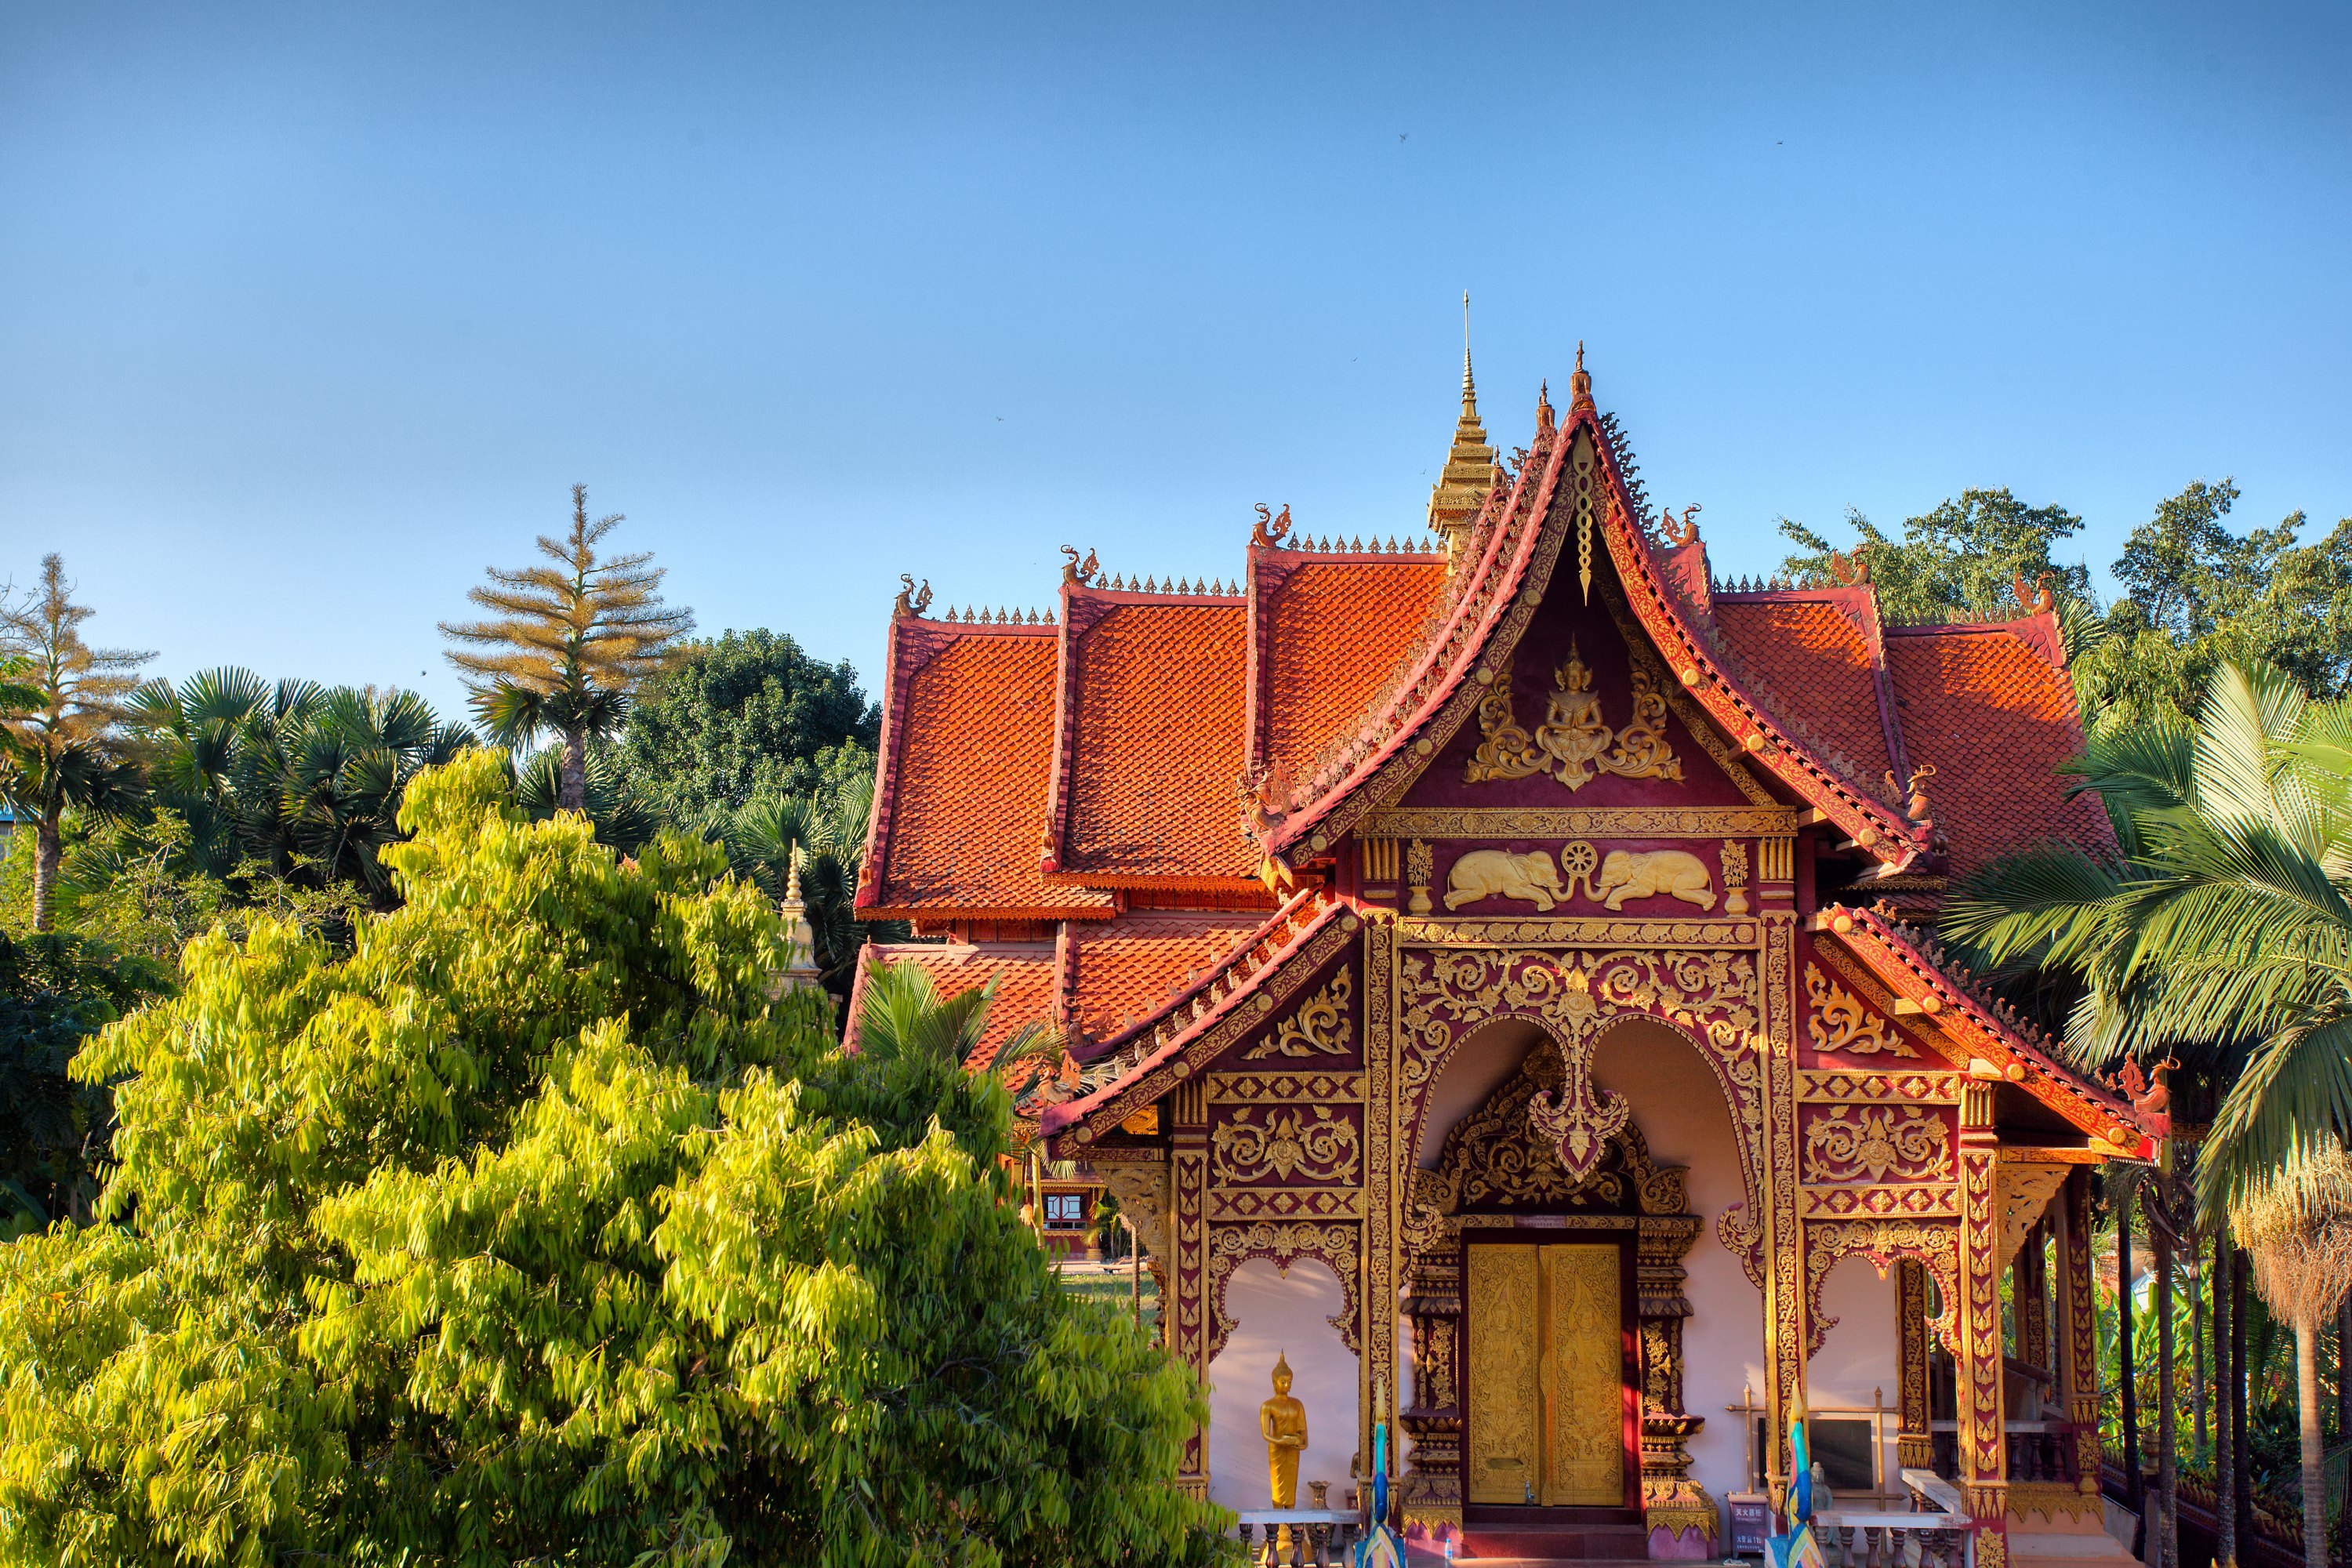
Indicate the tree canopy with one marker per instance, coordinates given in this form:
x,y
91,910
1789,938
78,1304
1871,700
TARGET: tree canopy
x,y
533,1228
748,715
570,643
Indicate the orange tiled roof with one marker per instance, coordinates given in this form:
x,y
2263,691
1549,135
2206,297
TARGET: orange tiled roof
x,y
1992,708
960,811
1022,972
1815,656
1123,971
1328,633
1151,746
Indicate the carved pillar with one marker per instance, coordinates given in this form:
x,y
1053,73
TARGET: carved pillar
x,y
1984,1450
1679,1513
2076,1312
1913,1448
2030,1297
1784,1248
1431,1494
1384,1188
1189,1271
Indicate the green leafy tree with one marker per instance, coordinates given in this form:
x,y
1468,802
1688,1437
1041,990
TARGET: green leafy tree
x,y
2198,596
55,993
569,645
824,837
750,715
1962,559
64,751
534,1229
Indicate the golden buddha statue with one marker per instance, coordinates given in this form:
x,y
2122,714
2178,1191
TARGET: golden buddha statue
x,y
1281,1421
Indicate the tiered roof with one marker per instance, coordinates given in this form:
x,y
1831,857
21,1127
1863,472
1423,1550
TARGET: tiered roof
x,y
1094,799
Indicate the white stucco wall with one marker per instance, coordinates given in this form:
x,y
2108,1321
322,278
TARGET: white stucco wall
x,y
1860,1362
1679,1105
1273,1315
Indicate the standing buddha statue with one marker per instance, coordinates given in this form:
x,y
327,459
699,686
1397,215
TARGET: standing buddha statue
x,y
1281,1421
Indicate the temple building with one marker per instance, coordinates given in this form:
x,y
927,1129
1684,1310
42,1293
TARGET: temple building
x,y
1497,981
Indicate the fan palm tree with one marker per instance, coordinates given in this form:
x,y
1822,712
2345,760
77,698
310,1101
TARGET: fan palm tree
x,y
2218,932
64,750
296,779
571,643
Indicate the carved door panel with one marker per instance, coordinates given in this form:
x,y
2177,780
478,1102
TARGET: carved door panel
x,y
1584,1447
1505,1454
1546,1370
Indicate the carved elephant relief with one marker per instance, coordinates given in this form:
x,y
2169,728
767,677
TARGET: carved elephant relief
x,y
1498,874
1647,874
1532,877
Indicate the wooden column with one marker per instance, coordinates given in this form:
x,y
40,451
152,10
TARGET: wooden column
x,y
1784,1243
2029,1298
1189,1273
1984,1448
1914,1449
2078,1313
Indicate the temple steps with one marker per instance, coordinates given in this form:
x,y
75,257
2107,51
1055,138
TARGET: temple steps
x,y
1587,1544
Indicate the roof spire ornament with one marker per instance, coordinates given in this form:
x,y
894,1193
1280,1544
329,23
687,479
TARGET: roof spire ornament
x,y
1580,385
1547,422
1471,470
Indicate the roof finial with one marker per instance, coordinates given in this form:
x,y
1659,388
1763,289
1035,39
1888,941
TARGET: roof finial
x,y
1580,385
1469,388
1544,416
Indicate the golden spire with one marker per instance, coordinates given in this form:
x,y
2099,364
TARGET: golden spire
x,y
1470,466
1580,385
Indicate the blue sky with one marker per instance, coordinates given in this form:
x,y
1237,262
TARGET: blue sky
x,y
307,313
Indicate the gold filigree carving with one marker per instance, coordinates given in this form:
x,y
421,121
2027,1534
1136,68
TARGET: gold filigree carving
x,y
1915,1087
1141,1188
1582,822
1319,1148
1419,865
1229,1246
1489,1161
1573,744
1876,1143
1259,1088
1227,1203
1735,877
1839,1022
1935,1245
1320,1025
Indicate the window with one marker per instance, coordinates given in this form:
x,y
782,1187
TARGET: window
x,y
1064,1208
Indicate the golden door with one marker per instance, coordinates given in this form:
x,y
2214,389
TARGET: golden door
x,y
1546,1376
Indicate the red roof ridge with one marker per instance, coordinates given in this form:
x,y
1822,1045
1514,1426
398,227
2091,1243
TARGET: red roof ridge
x,y
2088,1105
2038,630
1490,595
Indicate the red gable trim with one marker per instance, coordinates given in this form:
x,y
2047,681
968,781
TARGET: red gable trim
x,y
1914,968
1493,608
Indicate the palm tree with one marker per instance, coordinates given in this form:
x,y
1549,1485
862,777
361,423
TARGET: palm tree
x,y
2221,932
2295,1222
569,645
292,780
64,750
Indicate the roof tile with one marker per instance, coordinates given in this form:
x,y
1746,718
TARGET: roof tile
x,y
968,816
1157,745
1994,717
1815,666
1123,971
1332,632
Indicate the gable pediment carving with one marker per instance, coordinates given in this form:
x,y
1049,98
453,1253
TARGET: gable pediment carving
x,y
1498,1159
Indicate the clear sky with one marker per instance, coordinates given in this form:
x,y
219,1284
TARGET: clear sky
x,y
307,313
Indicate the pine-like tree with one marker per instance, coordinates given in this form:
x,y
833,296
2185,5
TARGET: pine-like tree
x,y
569,646
63,749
